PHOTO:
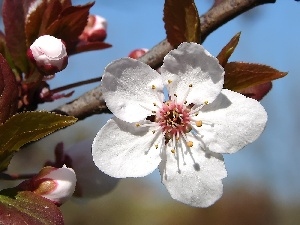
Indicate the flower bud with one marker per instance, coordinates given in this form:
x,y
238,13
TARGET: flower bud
x,y
48,54
137,53
95,30
55,184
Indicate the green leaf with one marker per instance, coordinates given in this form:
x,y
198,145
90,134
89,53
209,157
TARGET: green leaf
x,y
8,91
26,207
26,127
228,49
182,22
240,75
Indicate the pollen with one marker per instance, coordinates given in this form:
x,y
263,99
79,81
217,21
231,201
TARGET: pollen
x,y
190,144
199,123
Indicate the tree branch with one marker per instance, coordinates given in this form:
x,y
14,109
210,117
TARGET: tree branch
x,y
92,102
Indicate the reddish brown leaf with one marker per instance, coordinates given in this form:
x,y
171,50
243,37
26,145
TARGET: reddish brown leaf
x,y
89,46
65,3
39,18
8,91
182,22
70,24
228,49
258,91
13,19
240,75
25,207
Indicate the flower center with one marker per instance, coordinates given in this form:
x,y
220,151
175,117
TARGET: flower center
x,y
174,119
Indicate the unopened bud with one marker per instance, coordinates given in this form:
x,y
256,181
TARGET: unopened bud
x,y
48,54
95,30
55,184
137,53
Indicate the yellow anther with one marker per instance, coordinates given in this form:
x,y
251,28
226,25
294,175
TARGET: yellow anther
x,y
206,102
156,146
199,123
153,131
190,144
169,81
190,85
137,125
173,151
153,86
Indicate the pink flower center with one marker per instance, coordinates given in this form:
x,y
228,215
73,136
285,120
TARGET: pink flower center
x,y
174,119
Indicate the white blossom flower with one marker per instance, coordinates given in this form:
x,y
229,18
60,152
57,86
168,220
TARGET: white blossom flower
x,y
183,134
48,54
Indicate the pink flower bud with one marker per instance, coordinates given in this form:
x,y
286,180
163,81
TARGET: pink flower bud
x,y
137,53
55,184
95,29
48,54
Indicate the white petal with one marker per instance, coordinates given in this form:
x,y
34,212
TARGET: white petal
x,y
198,182
191,64
128,91
237,121
122,150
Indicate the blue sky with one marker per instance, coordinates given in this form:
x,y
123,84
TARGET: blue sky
x,y
270,35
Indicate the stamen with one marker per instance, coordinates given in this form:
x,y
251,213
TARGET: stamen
x,y
153,86
169,81
156,146
198,123
190,85
190,144
137,124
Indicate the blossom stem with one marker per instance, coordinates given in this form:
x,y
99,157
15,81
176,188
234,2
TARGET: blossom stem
x,y
77,84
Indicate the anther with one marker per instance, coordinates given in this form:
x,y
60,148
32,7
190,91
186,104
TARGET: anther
x,y
153,86
156,146
169,81
206,102
199,123
173,151
153,111
153,131
190,144
175,95
137,125
190,85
